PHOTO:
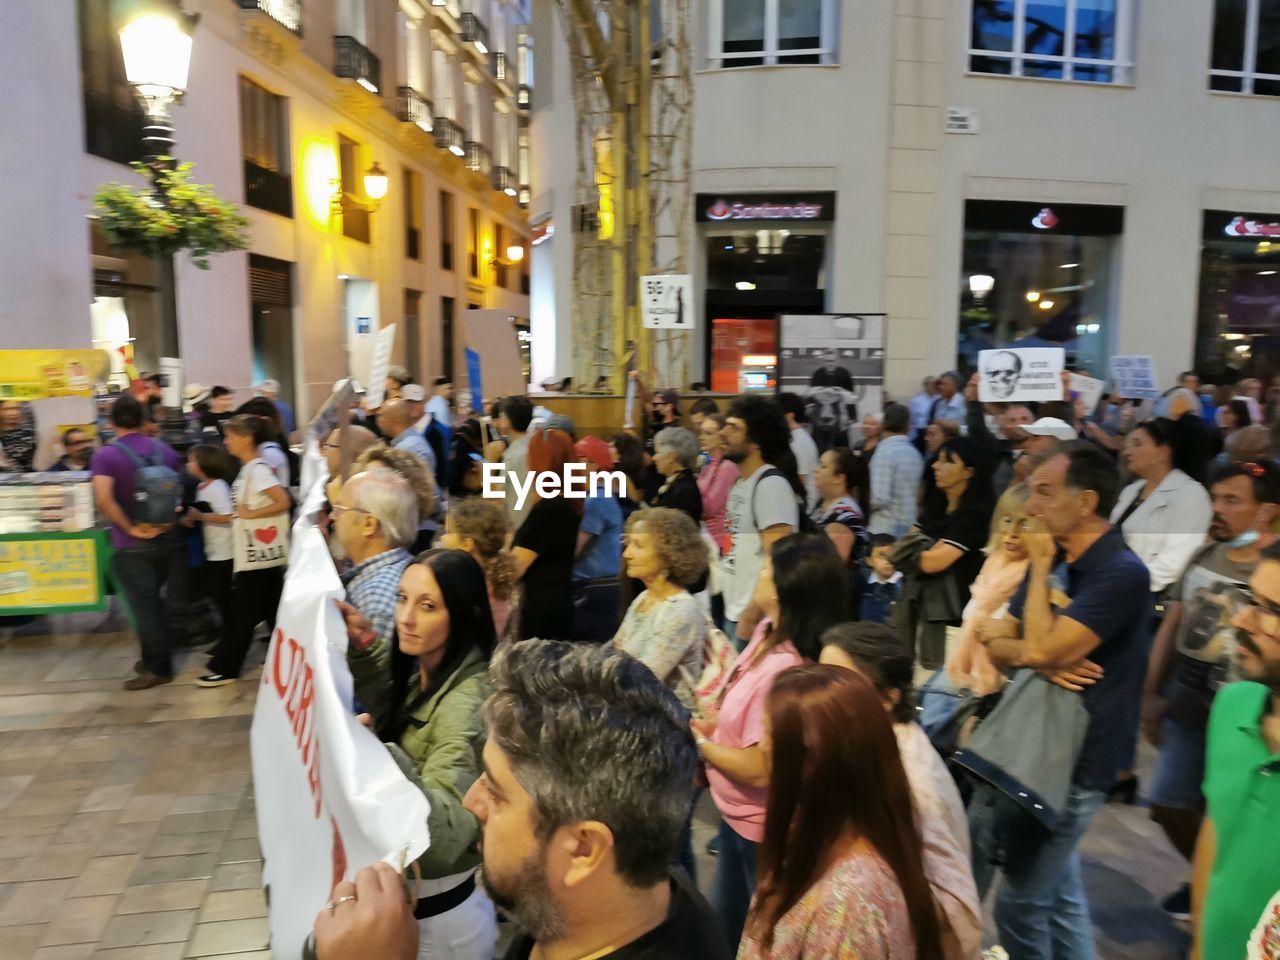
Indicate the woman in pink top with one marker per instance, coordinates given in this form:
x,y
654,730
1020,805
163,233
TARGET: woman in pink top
x,y
802,591
716,478
842,873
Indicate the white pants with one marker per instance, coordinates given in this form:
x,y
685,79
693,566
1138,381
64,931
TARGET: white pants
x,y
467,932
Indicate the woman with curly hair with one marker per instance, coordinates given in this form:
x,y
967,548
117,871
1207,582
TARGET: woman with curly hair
x,y
479,527
417,473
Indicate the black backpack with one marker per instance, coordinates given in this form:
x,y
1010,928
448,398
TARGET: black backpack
x,y
438,440
157,488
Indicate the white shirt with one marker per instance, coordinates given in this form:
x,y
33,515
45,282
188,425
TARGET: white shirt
x,y
746,514
805,451
218,542
1168,528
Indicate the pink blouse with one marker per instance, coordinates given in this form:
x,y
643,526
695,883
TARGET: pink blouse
x,y
715,481
855,912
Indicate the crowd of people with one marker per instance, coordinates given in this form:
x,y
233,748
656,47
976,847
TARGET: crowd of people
x,y
906,669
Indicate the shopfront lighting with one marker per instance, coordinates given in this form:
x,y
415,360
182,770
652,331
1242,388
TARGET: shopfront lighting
x,y
1266,273
745,285
1092,328
1069,266
1046,304
980,284
375,182
1033,296
1242,348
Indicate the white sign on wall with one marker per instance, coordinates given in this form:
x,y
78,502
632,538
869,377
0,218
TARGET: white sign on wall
x,y
1021,373
961,120
667,301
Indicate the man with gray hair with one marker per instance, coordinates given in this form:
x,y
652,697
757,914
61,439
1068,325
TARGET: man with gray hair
x,y
271,390
374,520
588,778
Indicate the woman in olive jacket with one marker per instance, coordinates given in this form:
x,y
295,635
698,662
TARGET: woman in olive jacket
x,y
424,691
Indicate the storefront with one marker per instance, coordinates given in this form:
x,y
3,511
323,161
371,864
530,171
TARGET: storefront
x,y
1039,275
764,255
1238,309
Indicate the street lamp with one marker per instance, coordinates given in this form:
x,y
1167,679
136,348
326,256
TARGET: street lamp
x,y
157,54
375,182
981,284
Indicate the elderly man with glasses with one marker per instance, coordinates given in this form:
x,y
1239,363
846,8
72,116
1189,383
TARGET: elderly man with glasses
x,y
77,451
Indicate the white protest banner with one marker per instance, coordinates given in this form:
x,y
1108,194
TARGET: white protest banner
x,y
1088,389
330,799
383,343
667,301
1134,378
1021,373
171,382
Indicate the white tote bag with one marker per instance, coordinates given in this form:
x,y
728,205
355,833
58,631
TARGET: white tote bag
x,y
260,544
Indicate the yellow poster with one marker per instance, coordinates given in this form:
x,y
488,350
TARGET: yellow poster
x,y
55,572
37,374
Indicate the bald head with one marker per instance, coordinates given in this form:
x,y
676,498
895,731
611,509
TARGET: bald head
x,y
360,440
395,417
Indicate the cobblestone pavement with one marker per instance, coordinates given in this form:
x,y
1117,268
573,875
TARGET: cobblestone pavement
x,y
127,827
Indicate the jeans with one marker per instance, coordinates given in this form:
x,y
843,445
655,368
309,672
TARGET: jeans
x,y
216,578
255,594
734,883
140,574
1041,910
685,857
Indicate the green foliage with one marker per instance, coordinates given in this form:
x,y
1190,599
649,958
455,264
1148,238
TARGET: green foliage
x,y
172,215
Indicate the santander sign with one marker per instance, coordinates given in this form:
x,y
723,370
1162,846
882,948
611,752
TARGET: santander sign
x,y
723,210
1243,227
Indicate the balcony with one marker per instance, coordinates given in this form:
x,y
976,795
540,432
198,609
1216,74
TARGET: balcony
x,y
111,130
475,33
267,189
479,157
354,61
524,196
504,180
287,13
498,65
413,107
355,219
524,96
450,136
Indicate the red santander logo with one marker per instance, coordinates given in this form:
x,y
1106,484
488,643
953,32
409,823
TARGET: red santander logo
x,y
719,210
1244,227
1046,219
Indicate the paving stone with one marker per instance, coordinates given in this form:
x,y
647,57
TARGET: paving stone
x,y
72,951
233,905
33,903
155,951
185,844
79,921
237,876
146,807
104,875
141,929
240,851
160,869
57,861
229,936
155,897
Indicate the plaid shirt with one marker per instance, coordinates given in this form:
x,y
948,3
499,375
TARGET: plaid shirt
x,y
896,469
372,587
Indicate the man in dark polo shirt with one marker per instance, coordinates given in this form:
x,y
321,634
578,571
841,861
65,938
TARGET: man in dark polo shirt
x,y
1096,643
1237,858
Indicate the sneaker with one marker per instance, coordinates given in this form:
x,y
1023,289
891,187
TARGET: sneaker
x,y
146,680
1178,904
214,680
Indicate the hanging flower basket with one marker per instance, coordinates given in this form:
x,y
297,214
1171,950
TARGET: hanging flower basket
x,y
171,216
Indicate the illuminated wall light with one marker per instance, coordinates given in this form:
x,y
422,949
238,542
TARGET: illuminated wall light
x,y
1046,304
1069,266
1093,328
1266,273
319,166
1242,348
1033,296
745,285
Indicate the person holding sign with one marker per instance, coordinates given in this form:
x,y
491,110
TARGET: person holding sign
x,y
424,688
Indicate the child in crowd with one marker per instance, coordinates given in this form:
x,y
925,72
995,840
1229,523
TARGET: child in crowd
x,y
212,510
884,583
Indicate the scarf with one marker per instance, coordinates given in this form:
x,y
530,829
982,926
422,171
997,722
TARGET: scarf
x,y
969,667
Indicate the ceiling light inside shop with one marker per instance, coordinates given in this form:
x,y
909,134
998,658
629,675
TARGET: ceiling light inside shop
x,y
745,285
980,284
1243,348
1033,296
1070,266
1233,336
1046,304
1266,273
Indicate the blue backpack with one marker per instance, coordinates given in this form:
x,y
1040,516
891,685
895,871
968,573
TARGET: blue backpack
x,y
157,488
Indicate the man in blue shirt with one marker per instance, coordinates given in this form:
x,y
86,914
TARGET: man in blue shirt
x,y
395,420
921,406
949,405
1097,645
271,390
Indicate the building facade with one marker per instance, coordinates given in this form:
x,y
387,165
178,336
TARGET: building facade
x,y
1094,174
289,104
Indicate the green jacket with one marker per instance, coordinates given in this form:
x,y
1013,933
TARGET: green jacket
x,y
439,751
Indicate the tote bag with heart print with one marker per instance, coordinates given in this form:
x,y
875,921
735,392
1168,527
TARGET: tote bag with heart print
x,y
263,543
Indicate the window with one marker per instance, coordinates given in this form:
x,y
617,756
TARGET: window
x,y
473,242
524,269
355,218
1239,303
413,334
412,215
446,230
412,66
112,117
442,85
1246,47
352,21
1083,40
446,335
499,260
265,142
753,33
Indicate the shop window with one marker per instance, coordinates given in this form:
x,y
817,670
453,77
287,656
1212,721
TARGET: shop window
x,y
499,259
1038,275
355,217
1246,47
447,321
1238,310
264,140
446,230
413,334
753,33
473,243
412,215
1083,40
113,119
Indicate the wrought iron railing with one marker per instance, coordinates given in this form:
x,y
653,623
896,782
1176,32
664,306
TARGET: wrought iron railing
x,y
475,32
111,130
524,96
267,189
504,180
498,64
354,61
479,157
413,107
287,13
450,136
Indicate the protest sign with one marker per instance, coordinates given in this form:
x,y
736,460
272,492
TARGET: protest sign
x,y
330,799
1134,378
384,342
1088,389
1021,373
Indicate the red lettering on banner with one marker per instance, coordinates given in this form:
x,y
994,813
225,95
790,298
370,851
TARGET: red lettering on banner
x,y
294,683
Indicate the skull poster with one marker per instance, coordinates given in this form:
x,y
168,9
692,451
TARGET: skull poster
x,y
836,363
1020,373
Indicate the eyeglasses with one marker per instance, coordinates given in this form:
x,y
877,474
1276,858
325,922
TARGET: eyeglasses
x,y
1264,613
338,509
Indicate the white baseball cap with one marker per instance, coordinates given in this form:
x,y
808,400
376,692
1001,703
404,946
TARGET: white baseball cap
x,y
1051,427
413,392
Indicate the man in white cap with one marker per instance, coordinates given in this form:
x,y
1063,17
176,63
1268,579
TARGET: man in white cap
x,y
271,390
414,396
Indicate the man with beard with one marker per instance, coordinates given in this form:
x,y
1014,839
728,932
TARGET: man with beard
x,y
1194,652
1237,858
77,451
588,780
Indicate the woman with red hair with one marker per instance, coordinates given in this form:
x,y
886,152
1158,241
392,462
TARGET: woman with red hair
x,y
842,864
545,544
